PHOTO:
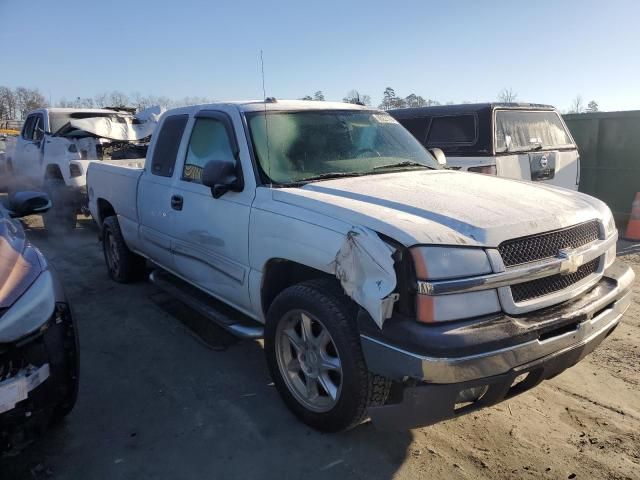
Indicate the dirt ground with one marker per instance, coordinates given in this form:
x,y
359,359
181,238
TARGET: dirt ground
x,y
163,395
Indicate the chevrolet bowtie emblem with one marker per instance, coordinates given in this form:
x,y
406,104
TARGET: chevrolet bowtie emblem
x,y
570,261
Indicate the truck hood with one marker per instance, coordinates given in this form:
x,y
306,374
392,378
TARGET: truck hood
x,y
446,207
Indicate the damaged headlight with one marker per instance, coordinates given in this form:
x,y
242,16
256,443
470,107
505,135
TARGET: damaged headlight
x,y
446,263
30,311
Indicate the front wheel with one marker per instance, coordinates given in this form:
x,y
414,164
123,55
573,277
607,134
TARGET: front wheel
x,y
314,356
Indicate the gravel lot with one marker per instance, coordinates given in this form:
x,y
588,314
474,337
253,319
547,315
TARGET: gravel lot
x,y
163,395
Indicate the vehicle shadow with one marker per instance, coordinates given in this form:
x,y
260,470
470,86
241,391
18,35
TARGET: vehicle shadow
x,y
165,394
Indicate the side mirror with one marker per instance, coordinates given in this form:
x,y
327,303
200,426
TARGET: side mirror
x,y
22,204
439,156
220,176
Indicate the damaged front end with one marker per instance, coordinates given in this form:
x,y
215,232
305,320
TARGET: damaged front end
x,y
38,343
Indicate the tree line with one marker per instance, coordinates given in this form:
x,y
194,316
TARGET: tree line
x,y
16,103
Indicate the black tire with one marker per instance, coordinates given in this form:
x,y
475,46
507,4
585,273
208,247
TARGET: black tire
x,y
123,265
61,218
325,300
72,359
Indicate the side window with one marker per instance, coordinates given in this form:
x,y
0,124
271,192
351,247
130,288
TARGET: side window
x,y
167,145
27,130
452,129
209,141
417,127
38,128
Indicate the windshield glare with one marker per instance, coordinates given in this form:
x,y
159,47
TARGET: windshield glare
x,y
528,130
303,145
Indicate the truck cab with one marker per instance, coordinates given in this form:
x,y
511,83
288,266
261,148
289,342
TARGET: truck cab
x,y
523,141
383,284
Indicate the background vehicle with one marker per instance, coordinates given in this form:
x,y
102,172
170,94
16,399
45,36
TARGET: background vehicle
x,y
39,358
56,145
515,140
387,286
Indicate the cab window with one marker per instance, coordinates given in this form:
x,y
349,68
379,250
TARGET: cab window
x,y
27,130
167,145
209,141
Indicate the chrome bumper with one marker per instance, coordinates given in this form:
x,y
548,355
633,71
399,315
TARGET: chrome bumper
x,y
603,314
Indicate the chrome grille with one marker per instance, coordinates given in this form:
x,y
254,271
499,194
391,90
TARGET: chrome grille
x,y
547,245
544,286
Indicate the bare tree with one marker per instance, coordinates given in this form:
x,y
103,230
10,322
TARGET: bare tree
x,y
101,100
28,99
356,97
8,104
507,95
577,105
118,99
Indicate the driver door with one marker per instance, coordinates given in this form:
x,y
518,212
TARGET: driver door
x,y
27,161
210,240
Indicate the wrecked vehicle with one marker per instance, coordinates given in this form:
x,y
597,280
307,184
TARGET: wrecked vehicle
x,y
525,141
384,285
56,145
39,362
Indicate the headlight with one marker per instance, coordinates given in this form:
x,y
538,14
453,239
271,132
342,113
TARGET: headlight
x,y
442,263
30,311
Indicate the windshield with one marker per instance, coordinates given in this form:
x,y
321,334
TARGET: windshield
x,y
305,145
57,120
518,130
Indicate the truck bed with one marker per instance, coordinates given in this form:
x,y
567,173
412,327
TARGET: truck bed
x,y
117,181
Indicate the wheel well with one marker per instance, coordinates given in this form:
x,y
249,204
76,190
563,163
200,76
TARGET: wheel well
x,y
105,209
52,172
280,274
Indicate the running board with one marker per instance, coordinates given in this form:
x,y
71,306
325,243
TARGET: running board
x,y
207,306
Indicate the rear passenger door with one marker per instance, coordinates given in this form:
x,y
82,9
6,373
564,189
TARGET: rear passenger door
x,y
155,212
210,244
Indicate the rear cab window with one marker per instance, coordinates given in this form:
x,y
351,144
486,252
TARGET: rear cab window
x,y
526,130
167,145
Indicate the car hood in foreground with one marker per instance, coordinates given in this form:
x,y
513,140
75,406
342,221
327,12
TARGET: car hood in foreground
x,y
19,264
446,207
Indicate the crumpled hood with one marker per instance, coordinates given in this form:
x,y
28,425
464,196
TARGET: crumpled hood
x,y
19,264
446,207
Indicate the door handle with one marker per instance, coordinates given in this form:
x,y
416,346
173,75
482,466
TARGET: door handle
x,y
177,202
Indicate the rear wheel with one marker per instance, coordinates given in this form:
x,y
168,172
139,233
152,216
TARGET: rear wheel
x,y
315,359
61,218
123,265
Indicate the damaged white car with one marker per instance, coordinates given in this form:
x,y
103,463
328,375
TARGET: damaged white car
x,y
56,146
384,285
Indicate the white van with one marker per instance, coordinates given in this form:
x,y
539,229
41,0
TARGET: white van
x,y
515,140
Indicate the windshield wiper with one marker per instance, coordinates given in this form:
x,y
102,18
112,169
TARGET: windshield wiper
x,y
328,176
402,164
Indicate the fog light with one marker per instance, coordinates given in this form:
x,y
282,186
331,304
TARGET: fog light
x,y
471,394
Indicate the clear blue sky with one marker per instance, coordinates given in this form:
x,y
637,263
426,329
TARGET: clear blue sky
x,y
546,51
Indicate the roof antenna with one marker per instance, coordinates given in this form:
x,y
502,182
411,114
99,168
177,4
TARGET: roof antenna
x,y
266,123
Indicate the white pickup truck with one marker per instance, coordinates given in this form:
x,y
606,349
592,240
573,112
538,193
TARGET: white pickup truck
x,y
56,145
385,285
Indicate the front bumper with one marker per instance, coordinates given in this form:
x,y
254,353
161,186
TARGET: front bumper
x,y
439,362
52,351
